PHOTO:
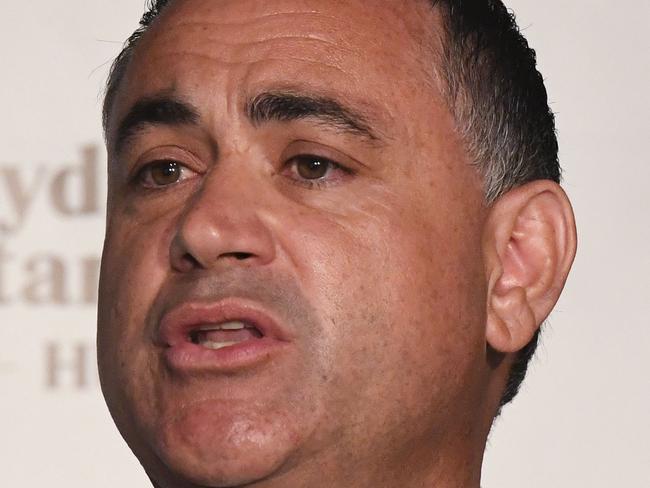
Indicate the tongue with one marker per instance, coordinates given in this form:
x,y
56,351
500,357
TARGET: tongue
x,y
227,335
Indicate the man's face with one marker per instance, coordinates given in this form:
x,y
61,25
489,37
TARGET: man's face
x,y
290,167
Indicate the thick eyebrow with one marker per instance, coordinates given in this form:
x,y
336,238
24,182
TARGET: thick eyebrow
x,y
156,110
281,106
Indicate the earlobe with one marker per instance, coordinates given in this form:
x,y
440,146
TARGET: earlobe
x,y
511,322
529,244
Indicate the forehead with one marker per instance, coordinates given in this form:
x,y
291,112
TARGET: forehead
x,y
394,30
369,50
324,17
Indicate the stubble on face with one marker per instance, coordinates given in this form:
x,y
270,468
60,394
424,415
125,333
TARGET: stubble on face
x,y
377,275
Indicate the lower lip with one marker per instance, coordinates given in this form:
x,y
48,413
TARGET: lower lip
x,y
189,357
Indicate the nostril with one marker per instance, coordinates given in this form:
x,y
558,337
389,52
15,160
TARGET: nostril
x,y
191,260
240,256
185,263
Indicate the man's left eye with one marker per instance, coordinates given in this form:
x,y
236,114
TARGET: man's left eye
x,y
163,173
312,170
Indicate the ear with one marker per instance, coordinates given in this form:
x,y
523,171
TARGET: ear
x,y
529,244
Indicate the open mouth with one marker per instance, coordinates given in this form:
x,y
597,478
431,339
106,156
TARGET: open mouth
x,y
225,336
218,336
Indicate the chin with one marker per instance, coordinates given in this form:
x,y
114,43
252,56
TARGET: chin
x,y
213,446
213,473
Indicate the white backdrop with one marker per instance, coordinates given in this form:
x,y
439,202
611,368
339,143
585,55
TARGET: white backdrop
x,y
582,419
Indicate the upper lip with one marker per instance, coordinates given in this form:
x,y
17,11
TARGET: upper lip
x,y
177,324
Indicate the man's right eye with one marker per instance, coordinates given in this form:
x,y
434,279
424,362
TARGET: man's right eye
x,y
163,173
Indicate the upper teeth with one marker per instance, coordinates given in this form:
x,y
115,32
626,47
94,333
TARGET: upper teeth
x,y
233,325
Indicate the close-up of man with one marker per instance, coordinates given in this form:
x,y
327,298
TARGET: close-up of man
x,y
334,231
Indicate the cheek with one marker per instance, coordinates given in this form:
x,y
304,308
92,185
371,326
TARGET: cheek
x,y
135,262
136,250
134,267
399,301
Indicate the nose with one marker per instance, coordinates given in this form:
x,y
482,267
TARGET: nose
x,y
223,226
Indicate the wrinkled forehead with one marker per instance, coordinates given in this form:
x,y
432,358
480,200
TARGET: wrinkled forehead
x,y
397,29
361,46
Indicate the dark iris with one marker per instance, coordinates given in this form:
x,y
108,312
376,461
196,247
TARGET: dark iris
x,y
312,168
165,172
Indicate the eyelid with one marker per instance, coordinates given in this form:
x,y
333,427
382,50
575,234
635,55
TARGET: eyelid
x,y
174,153
336,173
321,150
308,156
139,178
189,164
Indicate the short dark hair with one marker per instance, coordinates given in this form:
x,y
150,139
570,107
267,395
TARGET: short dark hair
x,y
496,94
